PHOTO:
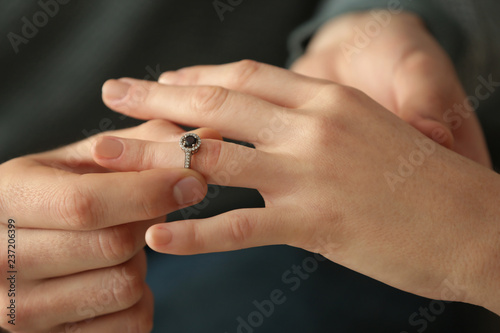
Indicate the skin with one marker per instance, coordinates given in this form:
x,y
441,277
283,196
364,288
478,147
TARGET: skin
x,y
404,69
80,233
323,152
434,230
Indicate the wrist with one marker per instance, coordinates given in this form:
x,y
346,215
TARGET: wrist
x,y
480,271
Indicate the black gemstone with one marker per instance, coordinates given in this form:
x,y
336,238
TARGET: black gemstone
x,y
190,142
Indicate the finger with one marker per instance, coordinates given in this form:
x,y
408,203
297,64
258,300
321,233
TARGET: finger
x,y
438,108
108,148
97,201
423,100
422,110
52,253
234,230
162,131
200,106
79,157
249,77
138,318
221,163
204,133
155,130
84,296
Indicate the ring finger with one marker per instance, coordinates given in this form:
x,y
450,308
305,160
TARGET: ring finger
x,y
221,163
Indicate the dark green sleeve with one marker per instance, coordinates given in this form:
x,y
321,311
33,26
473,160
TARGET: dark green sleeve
x,y
447,32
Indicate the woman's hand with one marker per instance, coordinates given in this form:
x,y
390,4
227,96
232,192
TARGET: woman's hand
x,y
402,67
340,175
80,232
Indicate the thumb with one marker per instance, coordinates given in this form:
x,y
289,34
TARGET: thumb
x,y
429,120
422,98
425,87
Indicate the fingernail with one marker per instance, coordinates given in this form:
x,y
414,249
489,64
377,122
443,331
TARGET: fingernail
x,y
115,90
168,78
188,190
109,148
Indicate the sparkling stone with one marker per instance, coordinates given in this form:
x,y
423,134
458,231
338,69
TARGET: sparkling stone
x,y
190,142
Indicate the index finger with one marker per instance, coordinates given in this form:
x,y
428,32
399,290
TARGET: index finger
x,y
197,106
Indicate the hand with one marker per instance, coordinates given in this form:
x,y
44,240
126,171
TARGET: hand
x,y
80,232
404,69
340,175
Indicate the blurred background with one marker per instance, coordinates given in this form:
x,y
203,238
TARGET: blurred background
x,y
54,58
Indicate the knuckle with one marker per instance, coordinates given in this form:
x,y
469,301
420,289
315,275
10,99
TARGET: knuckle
x,y
209,99
333,119
417,61
138,94
152,208
126,285
243,71
75,209
117,244
159,130
194,242
338,94
240,228
13,186
155,125
139,155
144,129
323,128
151,204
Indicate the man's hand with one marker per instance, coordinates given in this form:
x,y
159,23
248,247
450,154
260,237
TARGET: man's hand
x,y
403,68
340,175
80,232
